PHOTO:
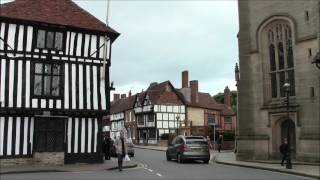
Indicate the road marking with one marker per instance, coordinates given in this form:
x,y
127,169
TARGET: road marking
x,y
158,174
150,170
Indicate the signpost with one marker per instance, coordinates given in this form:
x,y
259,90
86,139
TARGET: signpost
x,y
211,122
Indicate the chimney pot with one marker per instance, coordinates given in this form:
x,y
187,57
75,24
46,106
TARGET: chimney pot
x,y
116,97
227,96
123,96
185,79
194,91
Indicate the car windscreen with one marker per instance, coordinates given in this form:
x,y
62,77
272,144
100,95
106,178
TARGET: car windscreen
x,y
196,142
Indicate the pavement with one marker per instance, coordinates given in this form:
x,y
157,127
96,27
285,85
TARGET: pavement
x,y
78,167
305,169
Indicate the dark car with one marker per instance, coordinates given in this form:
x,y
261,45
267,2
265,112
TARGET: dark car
x,y
188,148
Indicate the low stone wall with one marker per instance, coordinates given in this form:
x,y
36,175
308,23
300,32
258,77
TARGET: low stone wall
x,y
49,158
226,145
15,161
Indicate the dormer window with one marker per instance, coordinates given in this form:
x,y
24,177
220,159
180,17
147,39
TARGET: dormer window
x,y
49,40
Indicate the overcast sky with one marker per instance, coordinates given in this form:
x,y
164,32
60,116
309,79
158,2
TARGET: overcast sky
x,y
161,38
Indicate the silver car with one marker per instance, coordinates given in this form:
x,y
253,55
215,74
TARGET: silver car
x,y
188,148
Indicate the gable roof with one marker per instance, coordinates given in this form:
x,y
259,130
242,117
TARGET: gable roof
x,y
205,101
58,12
123,104
158,94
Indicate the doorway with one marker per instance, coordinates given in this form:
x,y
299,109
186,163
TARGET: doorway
x,y
49,140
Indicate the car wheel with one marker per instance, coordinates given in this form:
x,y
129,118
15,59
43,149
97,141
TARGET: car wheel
x,y
206,161
179,158
168,157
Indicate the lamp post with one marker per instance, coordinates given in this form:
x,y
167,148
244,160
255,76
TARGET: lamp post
x,y
178,118
286,88
237,78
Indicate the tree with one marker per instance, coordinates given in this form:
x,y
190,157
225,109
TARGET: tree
x,y
219,98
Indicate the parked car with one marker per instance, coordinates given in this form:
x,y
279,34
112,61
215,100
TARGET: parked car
x,y
130,149
184,148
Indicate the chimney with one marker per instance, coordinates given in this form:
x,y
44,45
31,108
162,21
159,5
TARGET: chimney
x,y
129,93
123,96
185,79
227,96
116,97
194,91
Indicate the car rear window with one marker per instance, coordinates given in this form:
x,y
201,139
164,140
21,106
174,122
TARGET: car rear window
x,y
189,141
194,137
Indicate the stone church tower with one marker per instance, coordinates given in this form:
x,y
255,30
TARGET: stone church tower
x,y
278,40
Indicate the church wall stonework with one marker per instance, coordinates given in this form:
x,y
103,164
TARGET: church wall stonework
x,y
257,133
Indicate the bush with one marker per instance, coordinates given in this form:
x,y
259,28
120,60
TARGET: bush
x,y
164,136
228,136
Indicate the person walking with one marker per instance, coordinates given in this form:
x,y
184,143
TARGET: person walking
x,y
107,146
284,148
220,139
121,149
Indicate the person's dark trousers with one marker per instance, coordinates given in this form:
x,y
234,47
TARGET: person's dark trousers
x,y
219,147
120,161
107,156
284,157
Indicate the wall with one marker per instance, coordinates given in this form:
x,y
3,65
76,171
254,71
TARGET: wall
x,y
254,114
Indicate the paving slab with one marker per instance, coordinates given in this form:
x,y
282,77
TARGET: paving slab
x,y
78,167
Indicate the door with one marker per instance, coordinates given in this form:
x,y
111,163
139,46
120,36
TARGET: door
x,y
49,134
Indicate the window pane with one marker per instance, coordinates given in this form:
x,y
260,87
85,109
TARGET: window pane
x,y
291,81
46,85
38,68
272,58
58,41
41,39
47,69
50,40
56,69
274,85
282,81
290,54
37,85
280,56
55,85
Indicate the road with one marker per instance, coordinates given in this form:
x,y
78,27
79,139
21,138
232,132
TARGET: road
x,y
153,165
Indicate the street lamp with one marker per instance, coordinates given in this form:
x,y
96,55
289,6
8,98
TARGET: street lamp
x,y
286,88
316,60
178,118
237,78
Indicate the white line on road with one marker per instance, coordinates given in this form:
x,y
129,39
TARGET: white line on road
x,y
158,174
150,170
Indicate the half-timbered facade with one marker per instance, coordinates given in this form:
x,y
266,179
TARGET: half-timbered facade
x,y
122,116
54,88
159,110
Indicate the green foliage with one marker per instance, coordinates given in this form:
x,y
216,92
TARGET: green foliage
x,y
219,98
228,136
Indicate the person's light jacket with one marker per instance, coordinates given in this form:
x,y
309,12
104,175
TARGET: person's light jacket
x,y
118,145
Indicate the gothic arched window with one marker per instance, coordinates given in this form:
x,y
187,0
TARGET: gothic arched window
x,y
280,58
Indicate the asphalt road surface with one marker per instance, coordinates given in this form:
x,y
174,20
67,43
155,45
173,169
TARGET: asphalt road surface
x,y
153,165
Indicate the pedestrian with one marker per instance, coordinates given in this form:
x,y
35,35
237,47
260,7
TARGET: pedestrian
x,y
220,139
284,148
107,147
121,149
209,142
